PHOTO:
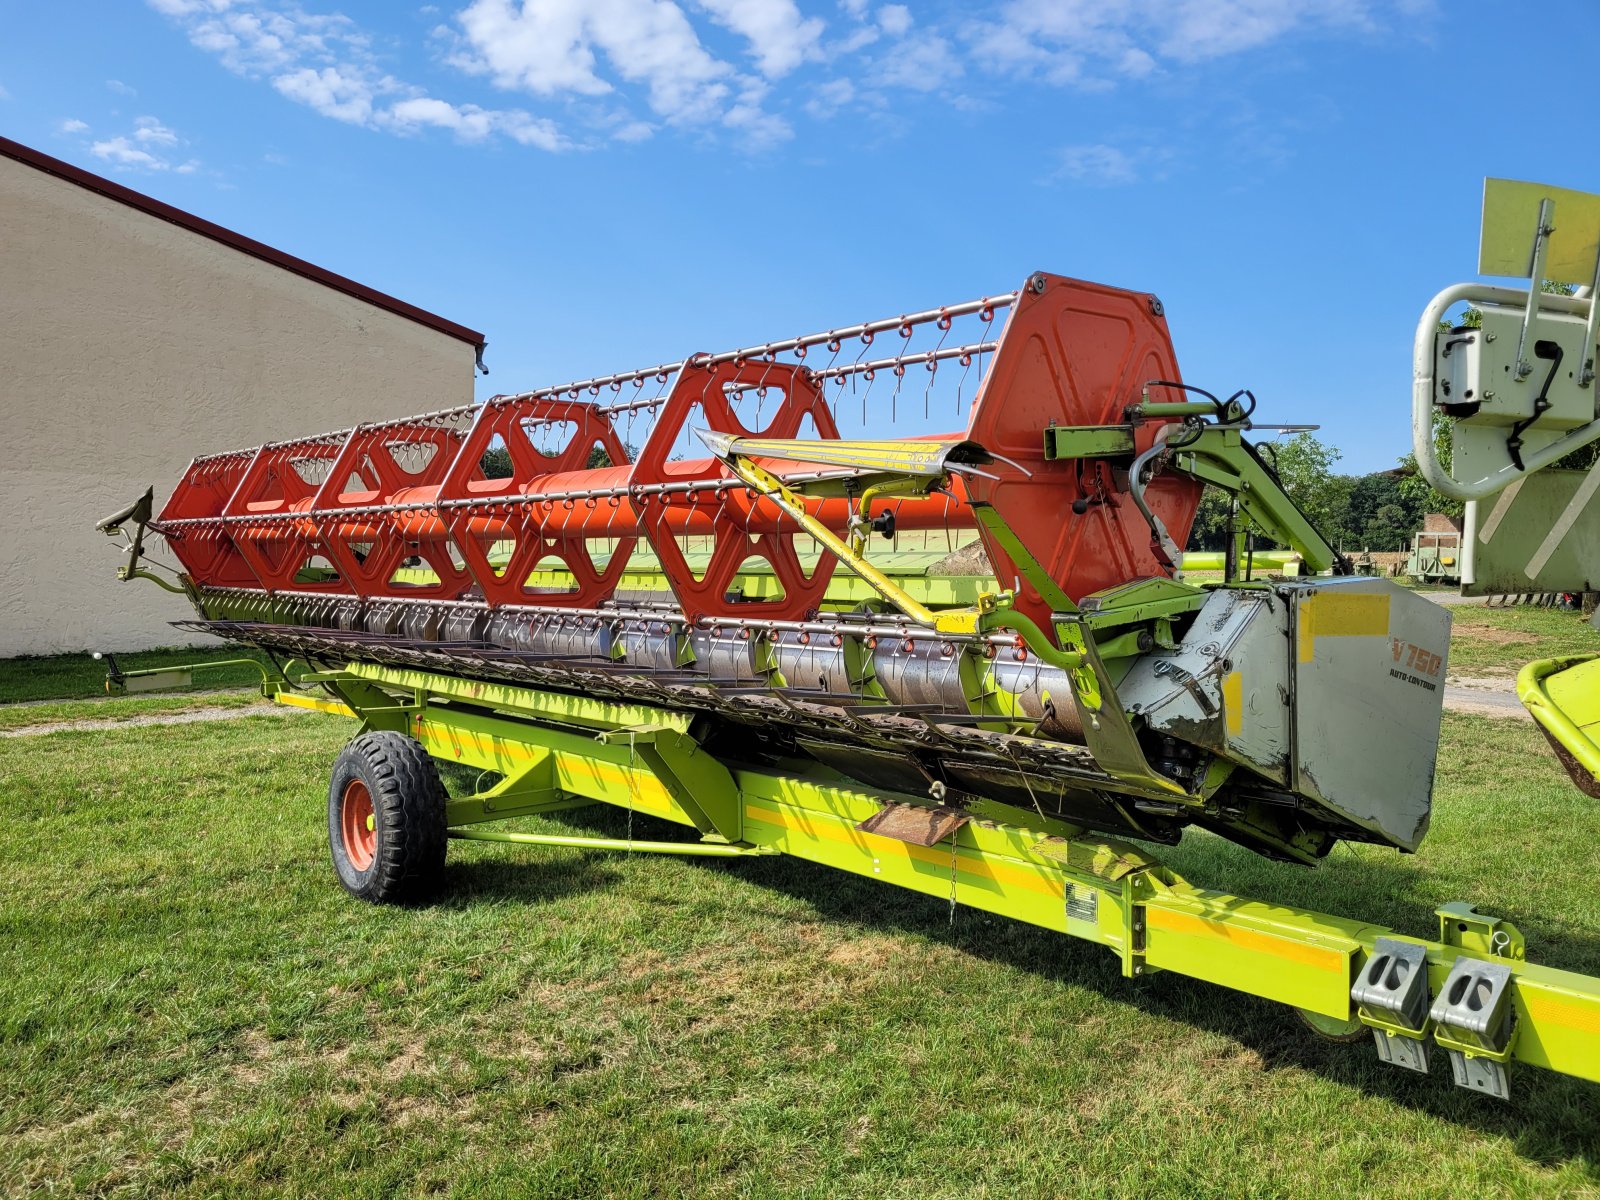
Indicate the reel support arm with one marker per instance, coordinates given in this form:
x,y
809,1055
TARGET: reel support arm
x,y
1216,454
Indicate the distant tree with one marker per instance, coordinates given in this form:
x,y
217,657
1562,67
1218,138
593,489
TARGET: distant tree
x,y
1367,495
1418,492
1210,528
1390,528
496,463
1305,468
497,460
1373,528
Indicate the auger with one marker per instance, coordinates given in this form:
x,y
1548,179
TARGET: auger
x,y
964,662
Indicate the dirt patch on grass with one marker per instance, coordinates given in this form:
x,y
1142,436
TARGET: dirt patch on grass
x,y
410,1061
716,986
186,717
403,1080
865,951
1491,634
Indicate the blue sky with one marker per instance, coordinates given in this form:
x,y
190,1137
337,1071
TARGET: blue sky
x,y
600,185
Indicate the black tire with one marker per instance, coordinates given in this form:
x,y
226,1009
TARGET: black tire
x,y
385,784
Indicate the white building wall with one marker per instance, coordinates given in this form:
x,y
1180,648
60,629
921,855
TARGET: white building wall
x,y
128,345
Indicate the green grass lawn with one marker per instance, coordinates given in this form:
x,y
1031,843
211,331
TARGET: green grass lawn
x,y
1497,641
190,1006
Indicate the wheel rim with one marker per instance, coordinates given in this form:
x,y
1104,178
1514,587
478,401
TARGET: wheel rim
x,y
1334,1029
356,826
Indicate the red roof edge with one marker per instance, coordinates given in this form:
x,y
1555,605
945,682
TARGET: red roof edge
x,y
245,245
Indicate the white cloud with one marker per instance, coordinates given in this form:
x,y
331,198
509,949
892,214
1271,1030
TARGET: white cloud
x,y
651,42
326,62
258,39
1098,164
894,19
780,38
758,128
150,131
624,69
473,124
634,131
122,151
149,146
424,110
540,48
554,48
329,92
828,98
531,131
1088,41
922,63
122,89
858,39
1135,159
4,95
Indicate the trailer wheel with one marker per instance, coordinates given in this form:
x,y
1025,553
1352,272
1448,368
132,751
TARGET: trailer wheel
x,y
386,819
1332,1029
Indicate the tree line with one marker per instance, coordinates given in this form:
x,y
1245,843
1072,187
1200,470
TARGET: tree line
x,y
1376,511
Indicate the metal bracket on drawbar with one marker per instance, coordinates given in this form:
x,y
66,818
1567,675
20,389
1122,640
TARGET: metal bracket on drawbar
x,y
1392,992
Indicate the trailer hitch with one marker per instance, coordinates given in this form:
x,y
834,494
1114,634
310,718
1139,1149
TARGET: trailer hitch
x,y
159,679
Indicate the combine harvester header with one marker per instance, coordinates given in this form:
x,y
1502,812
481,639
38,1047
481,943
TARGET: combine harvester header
x,y
964,662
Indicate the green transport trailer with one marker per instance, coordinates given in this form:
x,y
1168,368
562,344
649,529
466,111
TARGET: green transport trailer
x,y
1434,558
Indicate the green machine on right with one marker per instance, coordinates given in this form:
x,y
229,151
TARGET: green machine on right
x,y
1518,389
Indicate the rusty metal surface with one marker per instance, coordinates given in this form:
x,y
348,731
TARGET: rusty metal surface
x,y
915,824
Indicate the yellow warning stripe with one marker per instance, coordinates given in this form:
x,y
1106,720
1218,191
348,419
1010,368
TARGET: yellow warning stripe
x,y
911,458
1555,1011
984,867
1321,958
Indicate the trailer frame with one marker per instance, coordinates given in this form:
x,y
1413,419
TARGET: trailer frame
x,y
552,751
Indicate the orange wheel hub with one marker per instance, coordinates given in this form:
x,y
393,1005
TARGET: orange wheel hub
x,y
356,825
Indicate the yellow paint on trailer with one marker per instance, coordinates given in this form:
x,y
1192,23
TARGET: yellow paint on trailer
x,y
966,861
313,703
1341,614
1545,1008
581,774
976,878
1290,969
1233,702
1558,1020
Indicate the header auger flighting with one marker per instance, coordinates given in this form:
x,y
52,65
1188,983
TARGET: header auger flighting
x,y
963,662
